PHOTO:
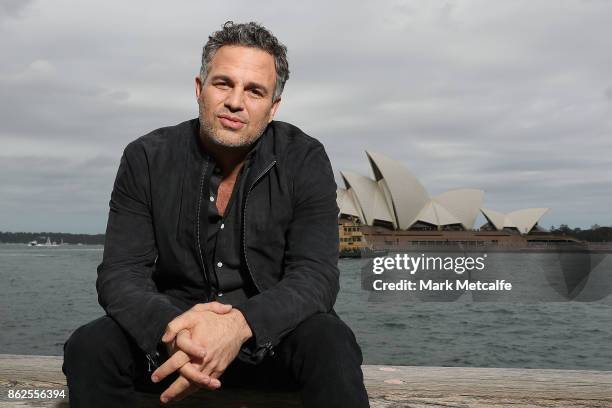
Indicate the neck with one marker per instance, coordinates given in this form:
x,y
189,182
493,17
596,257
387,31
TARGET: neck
x,y
229,159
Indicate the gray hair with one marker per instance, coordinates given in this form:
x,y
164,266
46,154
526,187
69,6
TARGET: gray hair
x,y
248,35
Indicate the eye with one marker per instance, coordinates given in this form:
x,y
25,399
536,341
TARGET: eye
x,y
256,92
221,84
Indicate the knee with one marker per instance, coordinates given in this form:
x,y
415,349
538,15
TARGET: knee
x,y
327,337
97,341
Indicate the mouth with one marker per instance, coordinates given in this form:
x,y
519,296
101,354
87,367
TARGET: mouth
x,y
231,122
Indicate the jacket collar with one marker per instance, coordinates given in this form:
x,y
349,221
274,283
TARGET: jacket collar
x,y
261,156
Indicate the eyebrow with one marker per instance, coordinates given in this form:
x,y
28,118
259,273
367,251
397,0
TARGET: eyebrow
x,y
248,85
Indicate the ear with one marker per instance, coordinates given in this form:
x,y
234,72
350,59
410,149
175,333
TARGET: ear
x,y
274,108
198,86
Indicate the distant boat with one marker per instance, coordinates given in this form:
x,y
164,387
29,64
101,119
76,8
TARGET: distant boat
x,y
47,244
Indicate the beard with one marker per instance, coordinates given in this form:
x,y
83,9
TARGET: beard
x,y
214,134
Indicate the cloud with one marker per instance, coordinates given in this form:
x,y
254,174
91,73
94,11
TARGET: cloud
x,y
505,97
55,192
13,8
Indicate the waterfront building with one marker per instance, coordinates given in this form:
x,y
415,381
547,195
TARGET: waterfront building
x,y
393,210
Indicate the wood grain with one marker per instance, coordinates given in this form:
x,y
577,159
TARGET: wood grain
x,y
388,387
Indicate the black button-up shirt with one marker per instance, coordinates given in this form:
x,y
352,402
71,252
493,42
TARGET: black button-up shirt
x,y
227,275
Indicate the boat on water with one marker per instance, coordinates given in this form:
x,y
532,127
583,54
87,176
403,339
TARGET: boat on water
x,y
46,244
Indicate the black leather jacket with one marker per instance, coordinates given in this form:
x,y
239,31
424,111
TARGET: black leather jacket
x,y
152,269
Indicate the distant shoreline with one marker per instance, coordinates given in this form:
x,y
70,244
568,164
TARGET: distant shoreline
x,y
65,237
595,234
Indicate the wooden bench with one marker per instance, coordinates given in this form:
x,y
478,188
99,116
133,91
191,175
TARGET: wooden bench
x,y
388,387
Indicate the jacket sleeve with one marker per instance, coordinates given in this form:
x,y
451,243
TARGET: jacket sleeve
x,y
125,286
310,281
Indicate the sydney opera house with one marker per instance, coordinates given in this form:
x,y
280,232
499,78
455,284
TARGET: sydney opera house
x,y
393,209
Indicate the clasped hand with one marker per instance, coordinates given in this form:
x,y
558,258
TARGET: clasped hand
x,y
201,343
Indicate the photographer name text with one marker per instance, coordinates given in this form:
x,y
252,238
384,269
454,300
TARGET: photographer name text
x,y
447,285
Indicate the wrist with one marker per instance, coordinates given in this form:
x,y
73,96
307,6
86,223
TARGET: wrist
x,y
244,330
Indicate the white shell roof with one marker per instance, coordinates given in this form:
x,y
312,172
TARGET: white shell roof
x,y
496,218
463,204
367,197
345,203
408,194
523,220
434,213
397,196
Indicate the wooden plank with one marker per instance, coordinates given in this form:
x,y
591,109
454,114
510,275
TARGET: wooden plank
x,y
388,387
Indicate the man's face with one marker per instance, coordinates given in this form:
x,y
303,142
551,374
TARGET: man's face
x,y
236,97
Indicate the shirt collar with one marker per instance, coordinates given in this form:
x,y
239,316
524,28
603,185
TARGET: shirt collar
x,y
248,159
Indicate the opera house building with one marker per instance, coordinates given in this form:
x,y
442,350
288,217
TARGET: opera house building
x,y
393,210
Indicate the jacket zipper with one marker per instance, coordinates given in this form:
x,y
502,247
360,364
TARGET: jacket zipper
x,y
152,361
202,176
246,201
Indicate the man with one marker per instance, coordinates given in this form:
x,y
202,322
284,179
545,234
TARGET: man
x,y
220,261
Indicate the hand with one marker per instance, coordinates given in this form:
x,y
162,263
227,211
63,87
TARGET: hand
x,y
190,369
221,335
179,347
189,319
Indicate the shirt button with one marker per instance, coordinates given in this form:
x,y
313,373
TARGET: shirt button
x,y
222,226
217,170
212,198
219,264
220,294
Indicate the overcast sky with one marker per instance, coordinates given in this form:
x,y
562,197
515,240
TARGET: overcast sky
x,y
514,98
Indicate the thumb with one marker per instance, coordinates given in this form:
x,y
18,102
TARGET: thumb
x,y
215,307
185,321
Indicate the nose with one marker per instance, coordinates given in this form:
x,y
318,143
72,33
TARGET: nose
x,y
235,101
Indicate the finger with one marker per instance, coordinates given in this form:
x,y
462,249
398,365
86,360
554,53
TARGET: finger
x,y
194,375
178,386
182,395
214,379
185,321
176,361
216,307
214,384
186,344
211,370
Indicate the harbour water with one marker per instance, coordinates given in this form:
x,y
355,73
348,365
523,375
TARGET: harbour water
x,y
47,292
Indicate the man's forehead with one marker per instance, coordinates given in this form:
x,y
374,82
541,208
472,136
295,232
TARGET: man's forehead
x,y
241,58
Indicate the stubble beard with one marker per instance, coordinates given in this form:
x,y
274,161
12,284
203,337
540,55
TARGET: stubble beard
x,y
208,131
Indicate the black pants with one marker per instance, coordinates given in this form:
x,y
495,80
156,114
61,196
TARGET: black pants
x,y
320,357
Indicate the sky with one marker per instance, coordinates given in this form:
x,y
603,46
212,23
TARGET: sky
x,y
514,98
